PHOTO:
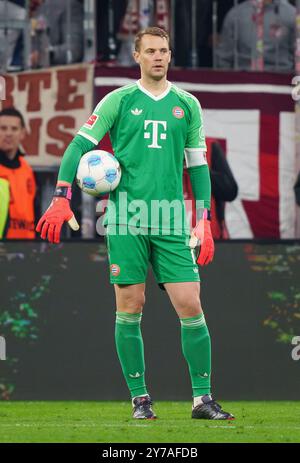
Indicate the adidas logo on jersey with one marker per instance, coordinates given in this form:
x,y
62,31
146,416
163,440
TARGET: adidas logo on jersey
x,y
136,112
205,375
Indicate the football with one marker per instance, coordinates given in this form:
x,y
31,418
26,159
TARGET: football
x,y
98,172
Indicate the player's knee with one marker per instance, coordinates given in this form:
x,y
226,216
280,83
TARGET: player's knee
x,y
189,307
139,301
133,303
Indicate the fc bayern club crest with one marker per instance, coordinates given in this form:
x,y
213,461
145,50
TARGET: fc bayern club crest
x,y
115,270
178,112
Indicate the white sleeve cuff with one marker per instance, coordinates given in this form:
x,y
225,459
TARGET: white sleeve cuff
x,y
88,137
195,157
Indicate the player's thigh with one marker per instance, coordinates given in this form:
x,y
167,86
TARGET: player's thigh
x,y
130,298
128,255
173,260
185,298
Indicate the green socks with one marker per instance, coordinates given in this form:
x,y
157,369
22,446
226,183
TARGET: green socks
x,y
195,341
130,349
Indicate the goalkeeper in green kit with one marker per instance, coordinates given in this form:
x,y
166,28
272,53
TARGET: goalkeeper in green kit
x,y
154,126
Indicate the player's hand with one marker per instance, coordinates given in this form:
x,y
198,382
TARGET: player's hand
x,y
202,232
53,219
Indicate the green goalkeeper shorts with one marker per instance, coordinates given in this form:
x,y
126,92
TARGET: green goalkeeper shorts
x,y
130,254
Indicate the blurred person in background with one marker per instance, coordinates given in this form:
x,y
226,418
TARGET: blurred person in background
x,y
223,185
279,36
140,14
10,45
224,188
108,44
56,41
183,37
17,182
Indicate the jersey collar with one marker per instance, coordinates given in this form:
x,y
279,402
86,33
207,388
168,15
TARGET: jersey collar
x,y
155,98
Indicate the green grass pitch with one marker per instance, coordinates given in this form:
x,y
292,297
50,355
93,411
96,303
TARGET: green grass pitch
x,y
111,422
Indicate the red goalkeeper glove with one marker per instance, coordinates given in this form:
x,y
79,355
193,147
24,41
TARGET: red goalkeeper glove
x,y
58,212
202,232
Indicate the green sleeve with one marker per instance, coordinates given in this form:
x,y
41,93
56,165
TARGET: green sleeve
x,y
201,186
103,117
195,135
89,135
78,146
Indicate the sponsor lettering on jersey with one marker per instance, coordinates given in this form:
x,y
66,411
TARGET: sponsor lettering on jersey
x,y
91,121
178,112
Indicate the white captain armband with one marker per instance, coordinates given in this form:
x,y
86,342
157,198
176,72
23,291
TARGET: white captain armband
x,y
195,157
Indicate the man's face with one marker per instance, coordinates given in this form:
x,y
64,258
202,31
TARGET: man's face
x,y
154,56
11,133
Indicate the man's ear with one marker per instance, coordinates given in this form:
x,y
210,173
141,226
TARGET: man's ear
x,y
136,57
22,134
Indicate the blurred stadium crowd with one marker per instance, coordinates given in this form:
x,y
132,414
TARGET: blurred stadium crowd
x,y
205,33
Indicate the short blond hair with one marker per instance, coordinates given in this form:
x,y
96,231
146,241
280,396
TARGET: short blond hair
x,y
157,31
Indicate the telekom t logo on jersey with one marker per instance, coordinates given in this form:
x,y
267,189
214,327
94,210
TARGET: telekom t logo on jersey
x,y
155,125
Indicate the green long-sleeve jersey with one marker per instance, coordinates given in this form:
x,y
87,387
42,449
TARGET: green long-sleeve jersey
x,y
151,136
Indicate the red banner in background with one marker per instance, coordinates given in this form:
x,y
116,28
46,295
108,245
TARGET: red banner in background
x,y
254,114
55,103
